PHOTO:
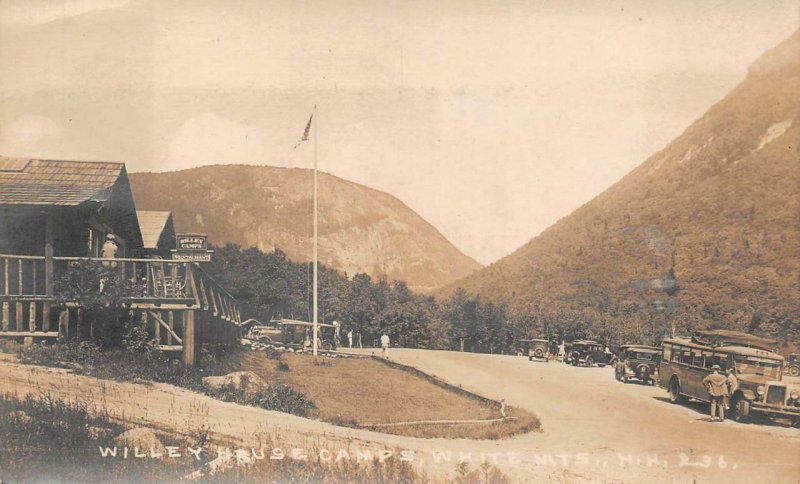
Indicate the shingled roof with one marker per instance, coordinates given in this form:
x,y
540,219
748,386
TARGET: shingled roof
x,y
26,181
152,224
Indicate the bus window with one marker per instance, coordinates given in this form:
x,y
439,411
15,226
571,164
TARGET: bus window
x,y
667,352
697,358
716,359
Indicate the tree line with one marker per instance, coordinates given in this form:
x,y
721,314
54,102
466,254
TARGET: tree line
x,y
269,285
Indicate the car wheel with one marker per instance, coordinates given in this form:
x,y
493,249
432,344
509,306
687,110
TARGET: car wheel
x,y
675,391
740,409
327,345
538,353
794,371
589,361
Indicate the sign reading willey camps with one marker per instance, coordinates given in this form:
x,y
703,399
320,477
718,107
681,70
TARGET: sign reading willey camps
x,y
192,247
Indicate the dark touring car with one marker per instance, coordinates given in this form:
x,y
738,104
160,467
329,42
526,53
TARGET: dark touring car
x,y
537,349
589,353
637,362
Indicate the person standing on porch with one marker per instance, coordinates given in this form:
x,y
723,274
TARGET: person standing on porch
x,y
350,338
109,250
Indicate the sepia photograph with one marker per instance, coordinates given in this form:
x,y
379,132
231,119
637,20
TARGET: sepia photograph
x,y
407,241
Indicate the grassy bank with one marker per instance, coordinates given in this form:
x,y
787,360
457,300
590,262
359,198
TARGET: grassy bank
x,y
361,392
353,392
48,440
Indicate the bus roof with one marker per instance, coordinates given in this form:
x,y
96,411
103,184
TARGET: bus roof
x,y
715,337
733,350
294,322
642,348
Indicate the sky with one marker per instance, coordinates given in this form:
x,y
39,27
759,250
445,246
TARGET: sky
x,y
492,120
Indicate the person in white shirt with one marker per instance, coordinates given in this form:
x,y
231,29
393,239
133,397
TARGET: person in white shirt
x,y
385,345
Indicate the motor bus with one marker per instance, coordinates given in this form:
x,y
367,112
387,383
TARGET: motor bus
x,y
293,334
686,361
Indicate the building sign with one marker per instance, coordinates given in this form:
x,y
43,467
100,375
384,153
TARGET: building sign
x,y
192,242
191,248
192,256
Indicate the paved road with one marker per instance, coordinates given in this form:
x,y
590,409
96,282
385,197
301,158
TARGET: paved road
x,y
596,426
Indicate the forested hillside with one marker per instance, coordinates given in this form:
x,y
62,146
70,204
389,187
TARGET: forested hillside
x,y
705,233
360,229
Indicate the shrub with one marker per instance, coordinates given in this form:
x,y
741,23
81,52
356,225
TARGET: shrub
x,y
282,366
101,292
272,353
283,398
143,364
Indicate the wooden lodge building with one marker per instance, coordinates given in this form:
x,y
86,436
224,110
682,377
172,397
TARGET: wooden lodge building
x,y
56,215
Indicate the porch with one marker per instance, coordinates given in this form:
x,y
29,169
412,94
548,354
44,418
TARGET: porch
x,y
180,305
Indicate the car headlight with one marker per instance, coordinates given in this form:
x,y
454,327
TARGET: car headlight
x,y
760,390
795,395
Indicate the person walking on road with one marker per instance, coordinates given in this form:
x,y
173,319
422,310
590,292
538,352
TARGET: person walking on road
x,y
385,345
717,386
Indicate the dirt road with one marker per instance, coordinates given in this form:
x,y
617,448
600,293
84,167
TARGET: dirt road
x,y
594,428
620,431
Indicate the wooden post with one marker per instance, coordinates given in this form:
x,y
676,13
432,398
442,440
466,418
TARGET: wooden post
x,y
188,328
78,324
46,316
158,329
188,337
174,280
171,322
20,317
28,341
63,324
48,271
5,316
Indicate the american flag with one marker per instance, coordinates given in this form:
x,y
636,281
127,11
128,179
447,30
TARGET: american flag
x,y
305,132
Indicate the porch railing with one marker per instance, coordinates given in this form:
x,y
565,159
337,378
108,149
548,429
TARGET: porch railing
x,y
27,289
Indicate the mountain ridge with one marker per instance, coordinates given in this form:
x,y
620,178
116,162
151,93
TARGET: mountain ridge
x,y
714,215
360,229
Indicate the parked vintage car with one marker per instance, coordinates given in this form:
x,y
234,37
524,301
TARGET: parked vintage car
x,y
292,334
686,361
793,364
537,349
589,353
637,362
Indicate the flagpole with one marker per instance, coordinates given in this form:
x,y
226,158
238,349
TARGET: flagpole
x,y
316,328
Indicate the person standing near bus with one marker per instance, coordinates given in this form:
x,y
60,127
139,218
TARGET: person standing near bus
x,y
733,385
717,386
